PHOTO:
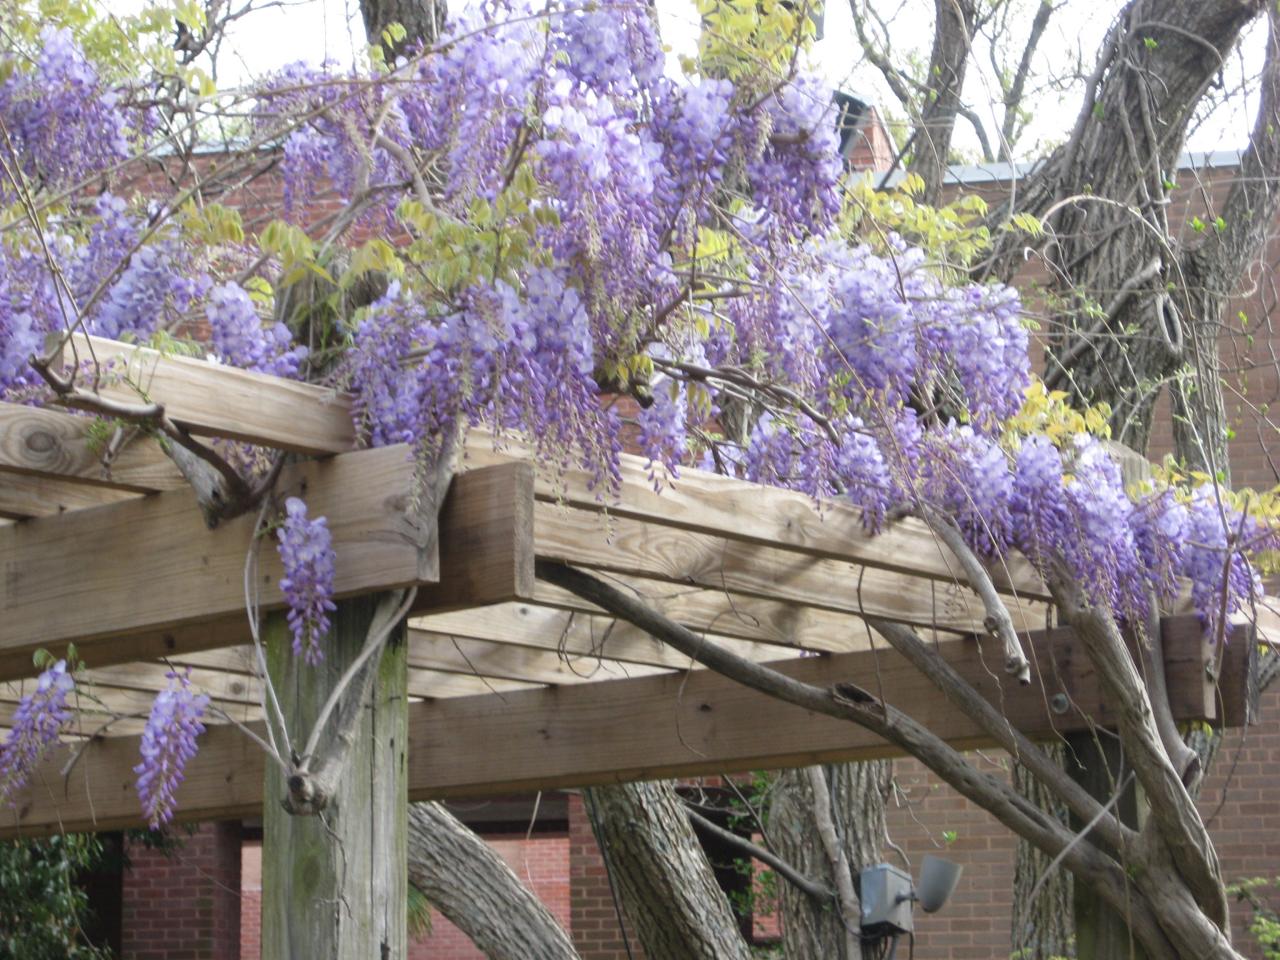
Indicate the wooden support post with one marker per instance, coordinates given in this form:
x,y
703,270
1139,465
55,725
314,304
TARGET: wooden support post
x,y
335,885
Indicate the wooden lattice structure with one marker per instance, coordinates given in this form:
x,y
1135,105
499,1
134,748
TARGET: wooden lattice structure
x,y
514,683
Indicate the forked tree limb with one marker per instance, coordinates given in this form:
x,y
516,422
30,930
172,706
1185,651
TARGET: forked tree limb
x,y
978,709
851,703
1173,812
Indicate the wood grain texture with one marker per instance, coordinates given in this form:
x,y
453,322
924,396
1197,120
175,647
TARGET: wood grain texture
x,y
211,571
51,443
586,637
216,400
640,548
677,724
486,540
150,566
703,502
336,885
24,497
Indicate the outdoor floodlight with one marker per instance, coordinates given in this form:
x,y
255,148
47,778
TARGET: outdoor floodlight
x,y
938,879
887,895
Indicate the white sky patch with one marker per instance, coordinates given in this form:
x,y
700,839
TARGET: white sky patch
x,y
318,30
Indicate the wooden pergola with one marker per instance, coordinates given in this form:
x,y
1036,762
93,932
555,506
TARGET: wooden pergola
x,y
514,684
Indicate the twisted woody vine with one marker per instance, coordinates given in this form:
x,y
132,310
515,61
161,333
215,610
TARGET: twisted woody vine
x,y
544,212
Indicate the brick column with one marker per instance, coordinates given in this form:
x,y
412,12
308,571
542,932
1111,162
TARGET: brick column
x,y
184,905
594,922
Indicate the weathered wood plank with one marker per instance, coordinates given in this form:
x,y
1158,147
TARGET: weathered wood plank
x,y
55,444
216,400
633,547
23,497
336,885
467,657
486,540
704,502
660,726
593,636
151,566
126,582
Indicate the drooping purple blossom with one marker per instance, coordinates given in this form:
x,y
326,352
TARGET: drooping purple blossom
x,y
238,335
306,550
39,718
62,122
168,743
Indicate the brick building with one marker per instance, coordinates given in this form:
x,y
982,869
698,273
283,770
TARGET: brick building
x,y
201,902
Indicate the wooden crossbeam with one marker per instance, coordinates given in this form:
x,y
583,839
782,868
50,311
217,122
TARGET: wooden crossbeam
x,y
703,502
659,726
487,658
53,444
593,636
723,563
150,566
23,497
211,399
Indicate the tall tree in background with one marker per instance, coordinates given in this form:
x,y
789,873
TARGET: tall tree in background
x,y
1135,309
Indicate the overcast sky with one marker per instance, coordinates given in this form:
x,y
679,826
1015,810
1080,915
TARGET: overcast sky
x,y
315,30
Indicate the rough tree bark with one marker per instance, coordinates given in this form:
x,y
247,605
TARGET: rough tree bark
x,y
421,19
1103,195
1042,927
477,892
954,26
662,878
856,794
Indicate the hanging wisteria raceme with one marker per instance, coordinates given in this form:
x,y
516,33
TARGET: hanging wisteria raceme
x,y
62,123
306,550
40,717
541,214
168,743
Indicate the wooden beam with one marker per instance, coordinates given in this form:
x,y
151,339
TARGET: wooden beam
x,y
150,566
212,399
703,502
660,726
23,497
487,658
50,443
150,581
673,556
592,636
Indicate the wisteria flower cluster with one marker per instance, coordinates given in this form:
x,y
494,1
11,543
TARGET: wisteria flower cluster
x,y
168,743
306,550
562,222
40,717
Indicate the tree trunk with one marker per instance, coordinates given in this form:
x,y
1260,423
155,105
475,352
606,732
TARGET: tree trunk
x,y
1102,933
335,885
1104,195
662,877
477,892
1043,928
857,792
952,40
421,19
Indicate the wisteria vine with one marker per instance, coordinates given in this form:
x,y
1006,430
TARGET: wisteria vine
x,y
580,242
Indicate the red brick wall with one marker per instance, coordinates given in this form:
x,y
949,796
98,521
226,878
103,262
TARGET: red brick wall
x,y
184,905
541,862
251,900
594,922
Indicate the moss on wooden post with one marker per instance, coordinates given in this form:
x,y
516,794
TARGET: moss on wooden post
x,y
335,885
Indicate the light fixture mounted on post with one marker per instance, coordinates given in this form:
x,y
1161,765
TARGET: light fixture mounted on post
x,y
887,895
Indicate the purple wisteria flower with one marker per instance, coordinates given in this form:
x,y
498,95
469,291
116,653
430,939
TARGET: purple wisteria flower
x,y
168,742
39,719
306,549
